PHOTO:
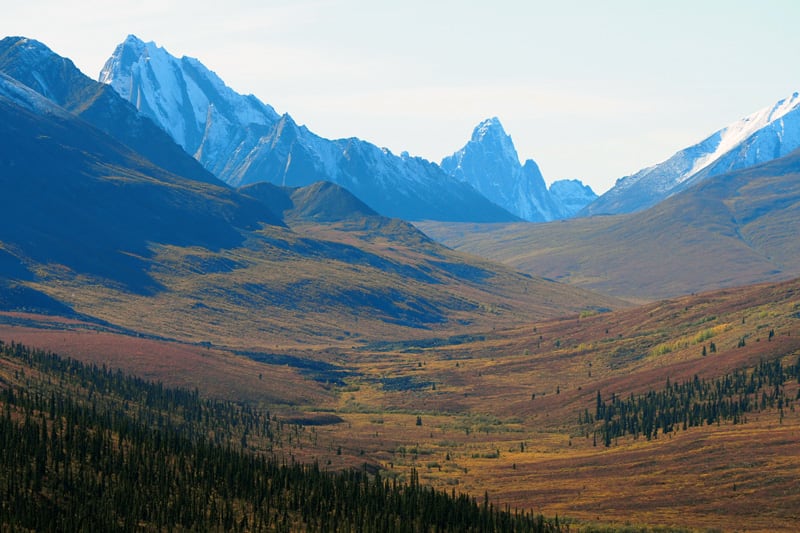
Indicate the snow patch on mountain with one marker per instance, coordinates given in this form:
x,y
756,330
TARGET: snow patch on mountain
x,y
738,132
190,102
765,135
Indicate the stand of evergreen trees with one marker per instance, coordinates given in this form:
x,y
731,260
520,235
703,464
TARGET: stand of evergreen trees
x,y
86,449
693,403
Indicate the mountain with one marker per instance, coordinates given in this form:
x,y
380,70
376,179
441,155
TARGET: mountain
x,y
728,230
319,202
92,228
98,205
207,118
571,196
243,141
762,136
57,79
489,162
325,210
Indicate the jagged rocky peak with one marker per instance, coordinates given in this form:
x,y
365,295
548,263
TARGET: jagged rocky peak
x,y
121,62
185,98
490,133
489,144
489,162
243,141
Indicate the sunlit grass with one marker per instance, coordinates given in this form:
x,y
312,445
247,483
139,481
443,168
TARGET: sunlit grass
x,y
498,411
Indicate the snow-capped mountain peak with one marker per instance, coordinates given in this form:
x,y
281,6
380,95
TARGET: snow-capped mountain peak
x,y
489,126
491,135
190,101
738,132
490,163
121,61
243,141
767,134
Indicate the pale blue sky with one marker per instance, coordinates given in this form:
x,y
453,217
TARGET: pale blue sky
x,y
589,89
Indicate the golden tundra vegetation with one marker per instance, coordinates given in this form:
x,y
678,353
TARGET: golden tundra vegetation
x,y
319,286
512,413
731,230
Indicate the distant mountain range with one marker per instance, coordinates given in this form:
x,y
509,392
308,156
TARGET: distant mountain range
x,y
765,135
489,162
717,214
243,141
93,227
728,230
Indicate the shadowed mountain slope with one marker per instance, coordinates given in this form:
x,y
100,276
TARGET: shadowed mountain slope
x,y
57,79
79,199
96,228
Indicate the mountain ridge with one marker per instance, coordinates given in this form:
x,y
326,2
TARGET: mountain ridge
x,y
767,134
189,101
33,64
490,163
88,184
322,202
732,229
201,113
121,240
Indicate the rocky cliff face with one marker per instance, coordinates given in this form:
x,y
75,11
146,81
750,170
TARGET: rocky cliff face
x,y
489,162
243,141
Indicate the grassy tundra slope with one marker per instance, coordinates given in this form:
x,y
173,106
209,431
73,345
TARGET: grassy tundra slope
x,y
95,228
514,412
731,230
503,412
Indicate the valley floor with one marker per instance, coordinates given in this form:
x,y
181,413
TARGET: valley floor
x,y
516,414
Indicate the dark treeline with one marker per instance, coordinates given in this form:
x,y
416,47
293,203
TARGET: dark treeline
x,y
694,403
149,402
86,449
